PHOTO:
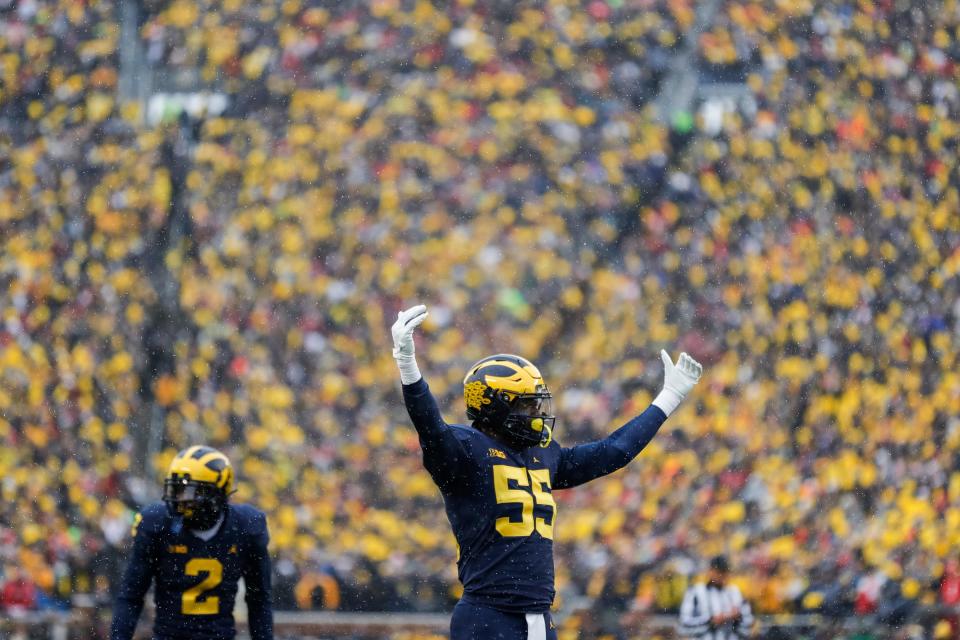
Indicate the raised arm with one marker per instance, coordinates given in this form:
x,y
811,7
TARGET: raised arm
x,y
587,462
441,448
420,403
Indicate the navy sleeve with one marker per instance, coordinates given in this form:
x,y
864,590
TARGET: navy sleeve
x,y
587,462
442,450
137,578
256,577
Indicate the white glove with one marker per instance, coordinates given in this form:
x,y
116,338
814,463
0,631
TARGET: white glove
x,y
403,349
678,380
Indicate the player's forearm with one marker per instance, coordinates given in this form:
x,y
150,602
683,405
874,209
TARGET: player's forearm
x,y
126,613
257,578
133,589
588,462
626,443
633,437
260,619
409,371
403,347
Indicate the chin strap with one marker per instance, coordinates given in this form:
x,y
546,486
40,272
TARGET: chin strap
x,y
545,440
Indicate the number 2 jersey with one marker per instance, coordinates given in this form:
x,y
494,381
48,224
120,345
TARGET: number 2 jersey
x,y
499,500
195,580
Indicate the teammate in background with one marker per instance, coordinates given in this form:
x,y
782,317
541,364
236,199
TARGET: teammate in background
x,y
497,478
195,546
715,610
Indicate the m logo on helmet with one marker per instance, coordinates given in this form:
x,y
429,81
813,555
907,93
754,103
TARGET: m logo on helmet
x,y
473,394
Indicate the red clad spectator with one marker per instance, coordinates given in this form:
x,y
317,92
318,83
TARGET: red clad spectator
x,y
19,593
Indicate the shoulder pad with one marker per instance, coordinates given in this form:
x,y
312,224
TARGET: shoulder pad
x,y
250,519
466,432
150,520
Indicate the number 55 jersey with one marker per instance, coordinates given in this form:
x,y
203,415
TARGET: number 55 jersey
x,y
499,500
196,580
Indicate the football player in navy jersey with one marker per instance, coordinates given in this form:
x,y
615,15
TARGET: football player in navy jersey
x,y
194,547
497,476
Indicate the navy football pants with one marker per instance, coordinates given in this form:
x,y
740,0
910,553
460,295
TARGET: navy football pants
x,y
474,622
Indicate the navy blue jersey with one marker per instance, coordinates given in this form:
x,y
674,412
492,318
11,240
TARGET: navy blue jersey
x,y
499,500
195,581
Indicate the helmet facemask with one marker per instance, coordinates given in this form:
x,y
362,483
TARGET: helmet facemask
x,y
523,420
198,503
531,420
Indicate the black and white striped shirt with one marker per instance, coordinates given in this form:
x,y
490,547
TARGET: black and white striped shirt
x,y
702,602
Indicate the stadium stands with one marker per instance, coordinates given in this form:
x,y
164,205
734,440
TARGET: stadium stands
x,y
500,161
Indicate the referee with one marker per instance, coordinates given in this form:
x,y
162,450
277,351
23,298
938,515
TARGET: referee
x,y
715,610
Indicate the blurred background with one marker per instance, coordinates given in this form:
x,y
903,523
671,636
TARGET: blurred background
x,y
211,211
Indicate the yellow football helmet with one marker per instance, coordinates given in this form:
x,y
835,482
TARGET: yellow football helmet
x,y
506,395
198,483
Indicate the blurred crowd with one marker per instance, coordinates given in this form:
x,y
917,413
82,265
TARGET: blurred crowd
x,y
233,277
